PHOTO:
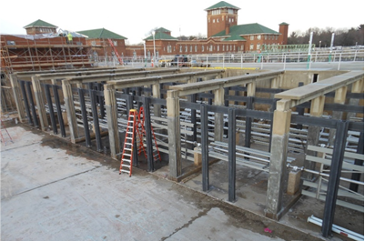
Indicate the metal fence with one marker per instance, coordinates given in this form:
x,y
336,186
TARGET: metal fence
x,y
240,59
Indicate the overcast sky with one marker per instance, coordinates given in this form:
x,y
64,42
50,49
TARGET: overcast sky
x,y
135,19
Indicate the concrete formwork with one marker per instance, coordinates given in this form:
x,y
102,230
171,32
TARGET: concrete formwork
x,y
224,93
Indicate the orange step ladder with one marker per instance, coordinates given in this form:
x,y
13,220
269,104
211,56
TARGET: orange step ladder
x,y
127,155
115,51
6,136
141,120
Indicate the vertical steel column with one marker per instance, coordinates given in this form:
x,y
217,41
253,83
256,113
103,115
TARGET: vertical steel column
x,y
161,94
95,119
59,110
101,100
204,147
226,93
51,111
26,104
210,100
30,96
236,93
147,126
84,117
231,155
360,150
334,178
139,93
193,117
248,123
199,80
129,103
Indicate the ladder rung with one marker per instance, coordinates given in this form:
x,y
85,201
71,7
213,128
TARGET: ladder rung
x,y
127,149
125,171
126,160
128,166
126,154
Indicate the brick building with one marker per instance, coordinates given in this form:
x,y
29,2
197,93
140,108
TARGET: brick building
x,y
98,40
223,35
40,27
42,48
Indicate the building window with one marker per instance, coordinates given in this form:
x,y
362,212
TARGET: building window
x,y
215,12
223,47
115,43
217,47
258,46
230,47
251,46
93,43
251,37
259,37
180,48
186,48
168,48
213,20
191,48
217,20
242,48
234,47
174,49
202,48
230,11
211,48
196,48
276,37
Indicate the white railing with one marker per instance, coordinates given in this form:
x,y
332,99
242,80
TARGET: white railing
x,y
333,58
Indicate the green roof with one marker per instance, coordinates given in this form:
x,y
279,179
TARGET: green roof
x,y
253,28
222,4
160,36
162,30
40,23
234,37
101,33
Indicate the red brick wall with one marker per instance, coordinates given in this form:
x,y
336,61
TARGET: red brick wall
x,y
283,29
219,22
102,47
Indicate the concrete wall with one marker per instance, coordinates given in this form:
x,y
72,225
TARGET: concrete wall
x,y
292,78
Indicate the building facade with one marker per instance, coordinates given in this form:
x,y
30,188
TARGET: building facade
x,y
98,40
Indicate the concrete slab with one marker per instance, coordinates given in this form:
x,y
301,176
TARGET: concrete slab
x,y
53,190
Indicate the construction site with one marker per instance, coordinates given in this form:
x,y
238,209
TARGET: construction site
x,y
140,152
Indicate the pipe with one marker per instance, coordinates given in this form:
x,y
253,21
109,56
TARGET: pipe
x,y
337,229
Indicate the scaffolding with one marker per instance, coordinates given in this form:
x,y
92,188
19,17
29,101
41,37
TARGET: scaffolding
x,y
42,52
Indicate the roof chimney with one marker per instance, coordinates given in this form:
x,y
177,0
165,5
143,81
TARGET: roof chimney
x,y
227,29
